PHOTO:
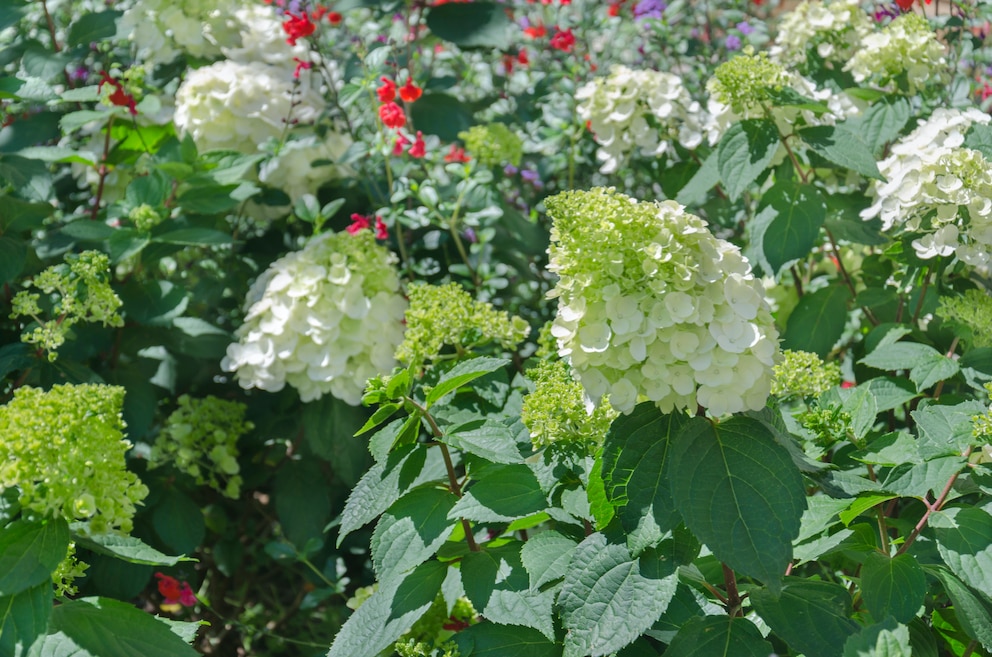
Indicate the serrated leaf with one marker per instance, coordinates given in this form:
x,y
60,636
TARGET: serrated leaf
x,y
882,122
546,557
744,152
498,586
791,215
890,392
843,146
126,548
890,450
917,480
705,179
926,365
382,441
946,430
609,598
886,639
818,320
389,612
124,243
492,640
719,636
474,25
812,616
24,618
462,373
385,482
862,504
860,405
105,627
29,553
740,493
979,138
506,493
964,539
893,586
411,531
488,438
973,611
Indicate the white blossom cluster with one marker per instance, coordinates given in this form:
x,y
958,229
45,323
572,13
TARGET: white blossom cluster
x,y
834,29
651,304
907,46
324,319
237,106
937,188
644,110
163,29
293,170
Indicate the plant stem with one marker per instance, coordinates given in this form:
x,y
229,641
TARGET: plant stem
x,y
847,277
733,603
931,508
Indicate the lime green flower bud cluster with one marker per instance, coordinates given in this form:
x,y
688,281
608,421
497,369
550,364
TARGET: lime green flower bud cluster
x,y
556,411
428,637
448,315
493,145
907,46
981,425
973,310
144,217
200,438
64,449
67,571
747,81
828,424
651,304
83,293
803,374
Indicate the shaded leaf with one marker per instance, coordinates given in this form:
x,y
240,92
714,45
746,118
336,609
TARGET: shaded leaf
x,y
492,640
507,492
818,320
719,636
843,146
964,539
893,586
546,556
411,531
24,618
29,553
473,25
788,222
813,617
744,152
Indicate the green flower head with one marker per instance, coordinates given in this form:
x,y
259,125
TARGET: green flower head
x,y
556,411
803,374
493,144
747,81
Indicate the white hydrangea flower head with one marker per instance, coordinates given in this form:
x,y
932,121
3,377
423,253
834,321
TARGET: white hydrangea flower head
x,y
324,320
162,29
834,29
293,171
652,305
263,39
645,110
236,106
929,179
907,46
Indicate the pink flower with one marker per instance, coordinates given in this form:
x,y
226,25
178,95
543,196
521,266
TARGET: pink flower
x,y
174,591
392,115
400,144
359,222
380,229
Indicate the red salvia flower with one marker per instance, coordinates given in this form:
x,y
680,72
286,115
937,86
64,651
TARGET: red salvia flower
x,y
456,154
298,27
563,40
535,31
419,148
410,92
392,115
334,18
400,144
381,233
300,65
118,97
387,92
359,222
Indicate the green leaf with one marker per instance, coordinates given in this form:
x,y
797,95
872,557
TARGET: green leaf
x,y
462,373
13,256
329,427
14,357
474,25
843,146
909,480
507,492
75,120
886,639
496,583
946,430
153,303
103,627
882,122
964,539
979,138
719,636
24,618
92,27
441,114
973,611
705,179
126,548
178,521
789,97
818,320
601,509
302,502
637,466
390,612
812,616
609,598
740,493
788,222
411,531
126,242
860,404
890,450
404,469
399,431
17,215
488,438
893,587
745,151
862,504
29,553
12,12
491,640
546,556
194,237
890,392
88,231
926,365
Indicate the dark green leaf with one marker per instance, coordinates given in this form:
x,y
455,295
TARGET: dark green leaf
x,y
813,617
490,439
818,321
29,552
843,146
193,237
972,610
441,114
979,138
329,427
474,25
745,151
302,503
178,521
719,636
705,179
88,231
11,12
463,373
546,557
946,430
886,639
893,586
609,598
390,612
13,255
92,27
17,215
491,640
507,492
153,303
791,216
411,531
740,493
789,97
24,618
14,357
964,539
396,432
126,548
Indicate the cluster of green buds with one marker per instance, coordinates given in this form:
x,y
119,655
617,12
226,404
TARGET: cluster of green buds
x,y
747,82
906,46
493,144
200,438
76,291
803,374
431,635
63,449
447,315
556,412
971,314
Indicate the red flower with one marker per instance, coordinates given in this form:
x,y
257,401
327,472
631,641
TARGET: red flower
x,y
380,229
175,592
563,40
535,31
522,57
392,115
387,92
400,144
359,222
334,18
905,5
456,154
300,65
410,92
298,27
419,148
614,9
118,97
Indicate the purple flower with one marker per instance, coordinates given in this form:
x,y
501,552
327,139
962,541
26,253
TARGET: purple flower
x,y
649,9
79,74
745,28
471,236
733,42
532,176
510,170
